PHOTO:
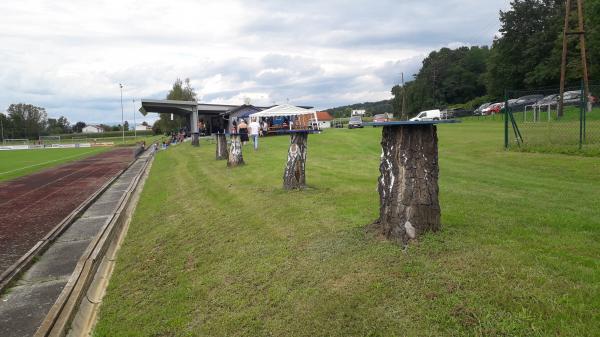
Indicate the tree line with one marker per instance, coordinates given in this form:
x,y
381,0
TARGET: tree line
x,y
525,56
27,121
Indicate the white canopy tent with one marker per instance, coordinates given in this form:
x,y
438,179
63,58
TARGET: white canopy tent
x,y
286,110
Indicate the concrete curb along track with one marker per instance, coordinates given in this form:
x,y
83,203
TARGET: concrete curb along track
x,y
13,272
58,320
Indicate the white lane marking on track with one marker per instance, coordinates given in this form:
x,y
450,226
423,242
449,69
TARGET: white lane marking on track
x,y
52,181
47,162
46,184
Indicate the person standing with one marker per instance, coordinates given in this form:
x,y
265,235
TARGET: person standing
x,y
265,127
243,130
254,132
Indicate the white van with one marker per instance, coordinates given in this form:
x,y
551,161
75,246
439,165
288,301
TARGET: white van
x,y
430,115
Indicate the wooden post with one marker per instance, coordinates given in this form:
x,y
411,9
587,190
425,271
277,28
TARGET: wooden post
x,y
221,151
582,48
235,157
294,176
408,185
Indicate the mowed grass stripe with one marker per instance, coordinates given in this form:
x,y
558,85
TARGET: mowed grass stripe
x,y
219,252
46,162
14,164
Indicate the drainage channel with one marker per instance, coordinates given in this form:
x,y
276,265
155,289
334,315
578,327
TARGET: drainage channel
x,y
34,303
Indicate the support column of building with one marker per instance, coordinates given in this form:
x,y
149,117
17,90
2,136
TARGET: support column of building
x,y
195,131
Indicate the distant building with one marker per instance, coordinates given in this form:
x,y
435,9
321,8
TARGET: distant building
x,y
239,113
358,112
323,116
141,127
92,129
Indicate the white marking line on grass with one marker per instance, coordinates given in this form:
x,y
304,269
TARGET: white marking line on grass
x,y
47,162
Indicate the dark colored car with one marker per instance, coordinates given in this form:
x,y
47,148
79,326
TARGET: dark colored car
x,y
548,100
355,122
522,102
457,112
570,98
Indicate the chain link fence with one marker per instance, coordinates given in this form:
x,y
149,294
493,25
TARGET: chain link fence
x,y
533,122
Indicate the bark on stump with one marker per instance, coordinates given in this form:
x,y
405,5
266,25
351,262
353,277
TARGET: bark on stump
x,y
235,157
221,150
294,176
408,185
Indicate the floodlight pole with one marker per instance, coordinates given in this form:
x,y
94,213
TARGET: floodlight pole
x,y
134,124
403,114
2,128
122,113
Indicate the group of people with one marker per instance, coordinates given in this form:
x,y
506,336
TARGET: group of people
x,y
252,130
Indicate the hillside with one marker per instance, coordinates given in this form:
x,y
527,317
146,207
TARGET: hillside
x,y
372,108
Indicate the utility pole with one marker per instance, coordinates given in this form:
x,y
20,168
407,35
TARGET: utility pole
x,y
434,78
122,113
566,33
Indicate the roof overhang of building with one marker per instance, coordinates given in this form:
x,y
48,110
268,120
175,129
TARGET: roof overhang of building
x,y
182,108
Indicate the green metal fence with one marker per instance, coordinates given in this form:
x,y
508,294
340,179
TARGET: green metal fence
x,y
532,121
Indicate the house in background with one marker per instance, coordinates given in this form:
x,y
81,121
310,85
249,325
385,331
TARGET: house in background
x,y
324,118
92,129
142,127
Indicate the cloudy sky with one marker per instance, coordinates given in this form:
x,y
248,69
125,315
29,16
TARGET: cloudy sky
x,y
69,56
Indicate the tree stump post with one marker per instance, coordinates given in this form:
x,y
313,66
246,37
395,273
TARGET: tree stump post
x,y
221,149
294,176
408,185
235,157
195,139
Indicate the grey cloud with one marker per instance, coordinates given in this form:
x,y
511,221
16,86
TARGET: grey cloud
x,y
264,57
425,23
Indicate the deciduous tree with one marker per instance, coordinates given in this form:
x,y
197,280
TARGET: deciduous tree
x,y
181,91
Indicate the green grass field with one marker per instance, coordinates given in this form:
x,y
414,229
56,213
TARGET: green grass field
x,y
226,252
554,135
14,164
18,163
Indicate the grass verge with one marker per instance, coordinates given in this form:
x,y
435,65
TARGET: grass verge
x,y
226,252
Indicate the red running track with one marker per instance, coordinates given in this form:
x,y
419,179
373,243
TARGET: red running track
x,y
31,206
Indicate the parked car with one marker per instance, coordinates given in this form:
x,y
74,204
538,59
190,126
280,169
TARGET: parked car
x,y
430,115
522,102
381,118
491,109
457,112
479,110
494,108
572,97
337,124
548,100
355,122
